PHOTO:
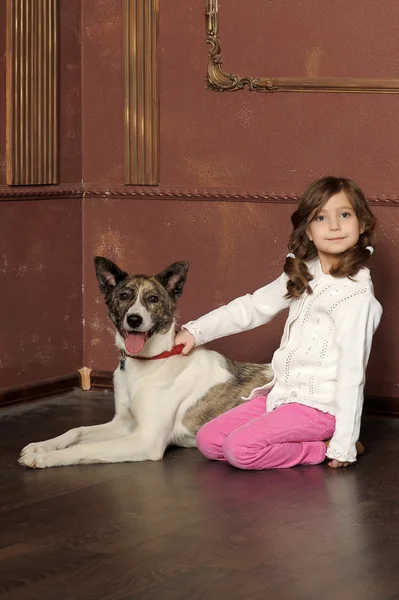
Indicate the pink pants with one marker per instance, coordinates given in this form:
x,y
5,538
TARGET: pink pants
x,y
248,437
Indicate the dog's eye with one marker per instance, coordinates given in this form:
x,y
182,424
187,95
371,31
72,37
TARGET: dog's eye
x,y
124,295
153,299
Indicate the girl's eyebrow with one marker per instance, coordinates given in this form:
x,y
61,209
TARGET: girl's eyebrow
x,y
323,210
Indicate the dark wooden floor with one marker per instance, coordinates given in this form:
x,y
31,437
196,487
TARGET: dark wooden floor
x,y
186,528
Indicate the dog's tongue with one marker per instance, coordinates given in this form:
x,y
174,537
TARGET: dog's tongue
x,y
134,342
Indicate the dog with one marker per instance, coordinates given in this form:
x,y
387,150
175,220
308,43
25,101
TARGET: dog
x,y
161,397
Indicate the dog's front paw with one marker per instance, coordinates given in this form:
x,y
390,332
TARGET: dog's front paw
x,y
38,460
35,448
58,443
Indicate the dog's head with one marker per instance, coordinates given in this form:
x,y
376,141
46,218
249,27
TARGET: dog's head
x,y
139,305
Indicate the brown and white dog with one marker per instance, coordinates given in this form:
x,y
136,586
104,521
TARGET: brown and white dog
x,y
161,397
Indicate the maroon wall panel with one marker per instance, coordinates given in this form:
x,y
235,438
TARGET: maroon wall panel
x,y
278,142
41,290
311,38
240,141
70,87
41,321
270,142
102,91
236,141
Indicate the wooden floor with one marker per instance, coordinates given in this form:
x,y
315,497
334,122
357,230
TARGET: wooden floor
x,y
186,528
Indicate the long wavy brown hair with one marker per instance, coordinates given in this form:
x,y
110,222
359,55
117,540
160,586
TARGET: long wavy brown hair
x,y
350,262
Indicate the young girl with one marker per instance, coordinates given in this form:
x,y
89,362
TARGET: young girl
x,y
319,368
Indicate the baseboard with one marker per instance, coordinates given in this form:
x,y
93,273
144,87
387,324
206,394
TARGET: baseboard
x,y
380,405
39,389
377,405
103,380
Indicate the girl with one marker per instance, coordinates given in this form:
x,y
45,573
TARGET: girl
x,y
319,368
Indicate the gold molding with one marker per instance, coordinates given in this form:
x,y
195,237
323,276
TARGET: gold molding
x,y
141,156
32,92
220,81
81,190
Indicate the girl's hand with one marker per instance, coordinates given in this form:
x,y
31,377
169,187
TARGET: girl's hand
x,y
336,464
186,338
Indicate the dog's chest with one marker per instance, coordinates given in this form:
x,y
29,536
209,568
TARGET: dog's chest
x,y
141,379
165,389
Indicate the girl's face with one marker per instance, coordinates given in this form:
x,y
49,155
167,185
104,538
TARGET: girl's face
x,y
334,229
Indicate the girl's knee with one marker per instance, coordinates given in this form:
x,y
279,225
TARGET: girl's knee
x,y
241,453
209,442
237,454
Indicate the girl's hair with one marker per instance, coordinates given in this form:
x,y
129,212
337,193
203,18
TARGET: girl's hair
x,y
349,262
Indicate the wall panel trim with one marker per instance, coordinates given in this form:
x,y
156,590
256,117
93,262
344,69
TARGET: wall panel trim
x,y
40,192
79,190
32,92
141,151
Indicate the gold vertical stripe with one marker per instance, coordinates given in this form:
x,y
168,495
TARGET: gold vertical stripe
x,y
39,96
45,98
141,145
55,95
32,92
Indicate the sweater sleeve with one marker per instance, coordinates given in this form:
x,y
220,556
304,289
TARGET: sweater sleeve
x,y
242,314
355,318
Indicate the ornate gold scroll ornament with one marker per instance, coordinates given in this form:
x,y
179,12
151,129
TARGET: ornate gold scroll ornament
x,y
220,81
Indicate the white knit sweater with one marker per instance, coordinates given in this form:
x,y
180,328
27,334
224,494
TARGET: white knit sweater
x,y
322,358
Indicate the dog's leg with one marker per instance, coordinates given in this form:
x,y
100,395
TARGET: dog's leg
x,y
131,448
82,435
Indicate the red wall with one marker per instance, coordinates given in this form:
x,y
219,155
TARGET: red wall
x,y
41,321
270,142
70,90
242,141
279,142
41,290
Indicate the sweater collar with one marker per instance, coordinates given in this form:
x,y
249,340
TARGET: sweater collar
x,y
319,276
316,270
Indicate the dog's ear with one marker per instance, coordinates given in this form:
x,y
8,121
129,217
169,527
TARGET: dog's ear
x,y
108,274
173,278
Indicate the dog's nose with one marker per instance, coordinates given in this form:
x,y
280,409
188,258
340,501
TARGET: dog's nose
x,y
134,321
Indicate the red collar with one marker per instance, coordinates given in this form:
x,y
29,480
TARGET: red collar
x,y
175,350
